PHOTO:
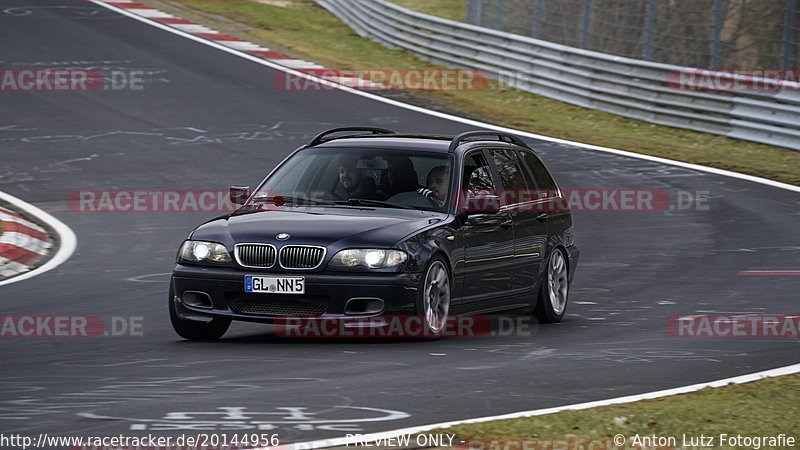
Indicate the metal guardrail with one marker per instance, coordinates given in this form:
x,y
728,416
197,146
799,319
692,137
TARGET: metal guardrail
x,y
628,87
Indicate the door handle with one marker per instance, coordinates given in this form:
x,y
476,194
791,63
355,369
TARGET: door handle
x,y
542,217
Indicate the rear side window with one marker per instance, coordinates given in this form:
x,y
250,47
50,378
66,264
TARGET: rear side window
x,y
511,174
542,177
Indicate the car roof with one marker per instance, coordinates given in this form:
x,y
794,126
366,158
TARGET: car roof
x,y
434,143
374,137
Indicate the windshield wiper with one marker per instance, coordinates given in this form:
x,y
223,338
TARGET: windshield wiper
x,y
369,202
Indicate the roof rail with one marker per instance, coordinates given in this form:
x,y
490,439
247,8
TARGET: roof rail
x,y
505,137
320,138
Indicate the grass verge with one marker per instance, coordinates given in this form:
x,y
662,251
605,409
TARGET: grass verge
x,y
305,30
762,408
448,9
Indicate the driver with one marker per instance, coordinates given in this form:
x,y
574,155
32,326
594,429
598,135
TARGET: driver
x,y
438,184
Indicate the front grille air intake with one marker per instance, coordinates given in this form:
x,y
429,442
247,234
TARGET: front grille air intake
x,y
301,256
255,255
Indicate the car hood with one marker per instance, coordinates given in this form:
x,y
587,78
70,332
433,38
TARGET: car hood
x,y
329,227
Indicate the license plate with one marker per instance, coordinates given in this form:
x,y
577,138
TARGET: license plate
x,y
275,285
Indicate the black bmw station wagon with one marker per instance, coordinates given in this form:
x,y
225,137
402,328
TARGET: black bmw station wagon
x,y
365,222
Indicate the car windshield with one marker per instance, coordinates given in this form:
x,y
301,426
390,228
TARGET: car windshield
x,y
361,177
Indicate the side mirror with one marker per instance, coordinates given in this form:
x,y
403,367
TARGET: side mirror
x,y
239,194
482,204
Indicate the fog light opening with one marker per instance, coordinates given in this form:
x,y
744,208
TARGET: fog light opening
x,y
364,306
197,299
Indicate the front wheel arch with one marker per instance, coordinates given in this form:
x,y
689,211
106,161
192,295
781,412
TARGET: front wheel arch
x,y
423,307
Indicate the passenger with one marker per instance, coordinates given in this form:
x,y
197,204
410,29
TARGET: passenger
x,y
351,184
400,176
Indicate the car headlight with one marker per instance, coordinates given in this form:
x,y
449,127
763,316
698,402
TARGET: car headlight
x,y
369,258
202,251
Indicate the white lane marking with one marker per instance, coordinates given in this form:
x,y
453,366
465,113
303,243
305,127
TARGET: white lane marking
x,y
770,272
272,418
141,278
68,241
279,64
335,442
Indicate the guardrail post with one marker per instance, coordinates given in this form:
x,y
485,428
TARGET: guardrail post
x,y
649,29
587,20
716,31
787,43
538,12
499,10
475,12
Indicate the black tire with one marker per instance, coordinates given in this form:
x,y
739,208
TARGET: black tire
x,y
554,290
436,269
192,329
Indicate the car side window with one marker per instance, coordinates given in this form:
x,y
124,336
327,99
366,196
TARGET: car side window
x,y
477,176
511,174
543,179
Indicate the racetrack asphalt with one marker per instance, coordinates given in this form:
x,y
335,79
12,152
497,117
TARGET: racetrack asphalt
x,y
204,120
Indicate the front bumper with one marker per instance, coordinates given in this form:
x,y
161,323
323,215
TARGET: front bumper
x,y
334,294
